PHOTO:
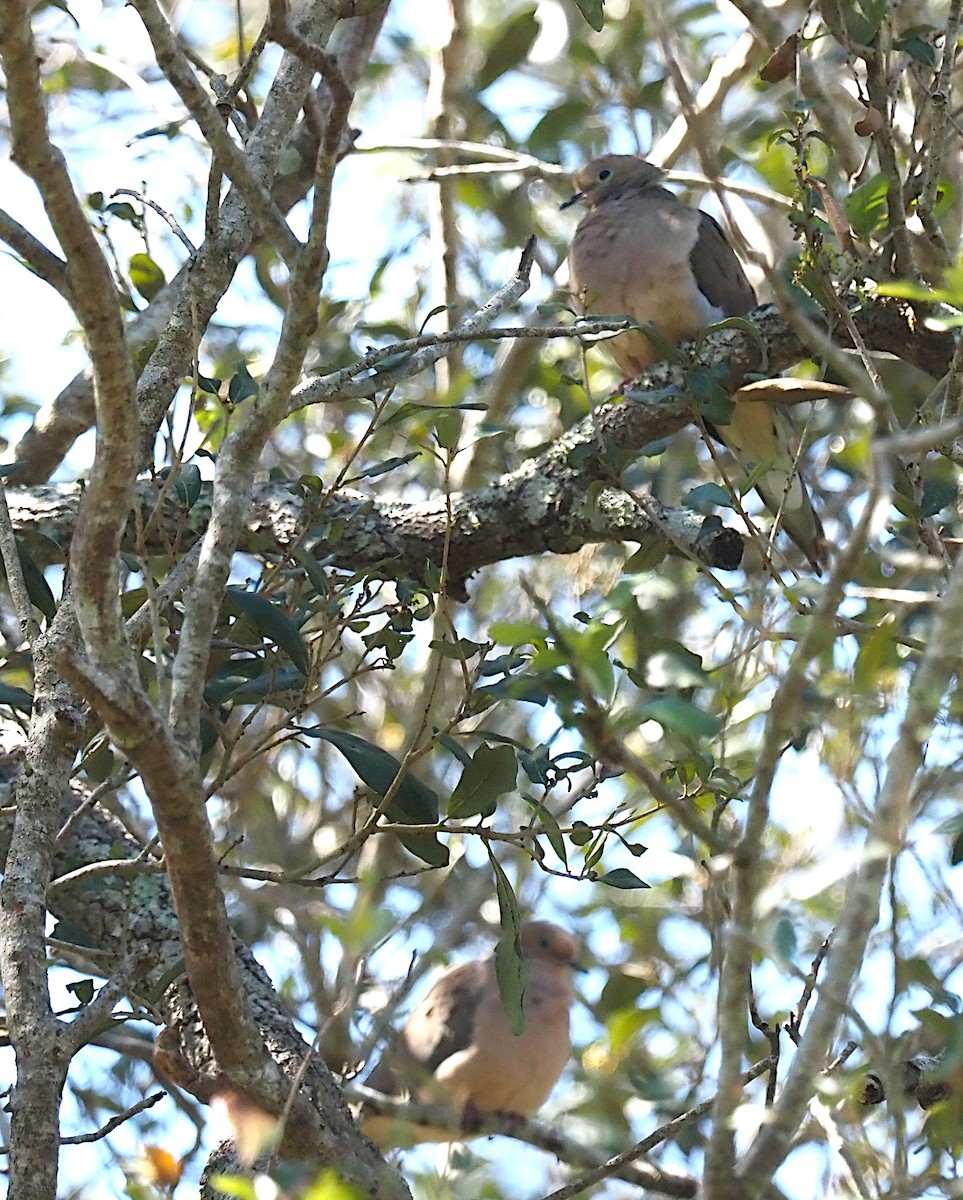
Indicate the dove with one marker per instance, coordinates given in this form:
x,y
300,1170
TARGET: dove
x,y
641,251
457,1047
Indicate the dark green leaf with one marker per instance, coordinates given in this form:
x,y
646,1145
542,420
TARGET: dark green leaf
x,y
917,48
784,939
271,622
554,127
622,878
509,49
15,697
491,773
715,404
314,572
549,825
937,495
83,989
672,712
580,834
414,802
242,385
38,590
125,211
248,680
706,496
464,648
454,748
187,484
591,10
511,969
382,468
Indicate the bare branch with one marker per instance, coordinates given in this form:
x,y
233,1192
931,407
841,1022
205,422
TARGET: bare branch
x,y
43,262
230,159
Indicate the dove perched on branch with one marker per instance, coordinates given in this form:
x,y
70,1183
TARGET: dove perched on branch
x,y
457,1047
641,251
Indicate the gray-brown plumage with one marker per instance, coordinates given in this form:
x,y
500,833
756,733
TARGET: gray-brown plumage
x,y
457,1047
643,252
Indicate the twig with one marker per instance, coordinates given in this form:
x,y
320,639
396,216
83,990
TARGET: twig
x,y
230,158
13,568
613,1166
533,1133
167,217
114,1122
794,1025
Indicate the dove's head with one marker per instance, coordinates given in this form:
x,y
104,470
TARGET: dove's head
x,y
545,941
611,175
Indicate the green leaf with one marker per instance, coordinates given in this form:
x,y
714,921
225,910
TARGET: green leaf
x,y
271,621
491,773
784,939
236,1186
951,291
580,833
145,275
454,748
591,10
865,206
242,385
517,633
187,484
14,697
937,495
125,211
706,496
622,878
549,826
314,571
38,590
83,989
917,48
510,48
448,426
672,712
414,802
714,402
248,681
553,128
853,20
208,384
511,969
382,468
327,1186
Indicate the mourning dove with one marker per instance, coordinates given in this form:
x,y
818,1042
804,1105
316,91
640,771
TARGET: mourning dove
x,y
642,251
457,1047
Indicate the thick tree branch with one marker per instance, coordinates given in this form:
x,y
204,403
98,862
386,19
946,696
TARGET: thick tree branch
x,y
43,262
140,908
40,1042
896,805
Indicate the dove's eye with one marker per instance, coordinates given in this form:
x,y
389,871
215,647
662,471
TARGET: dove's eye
x,y
604,174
